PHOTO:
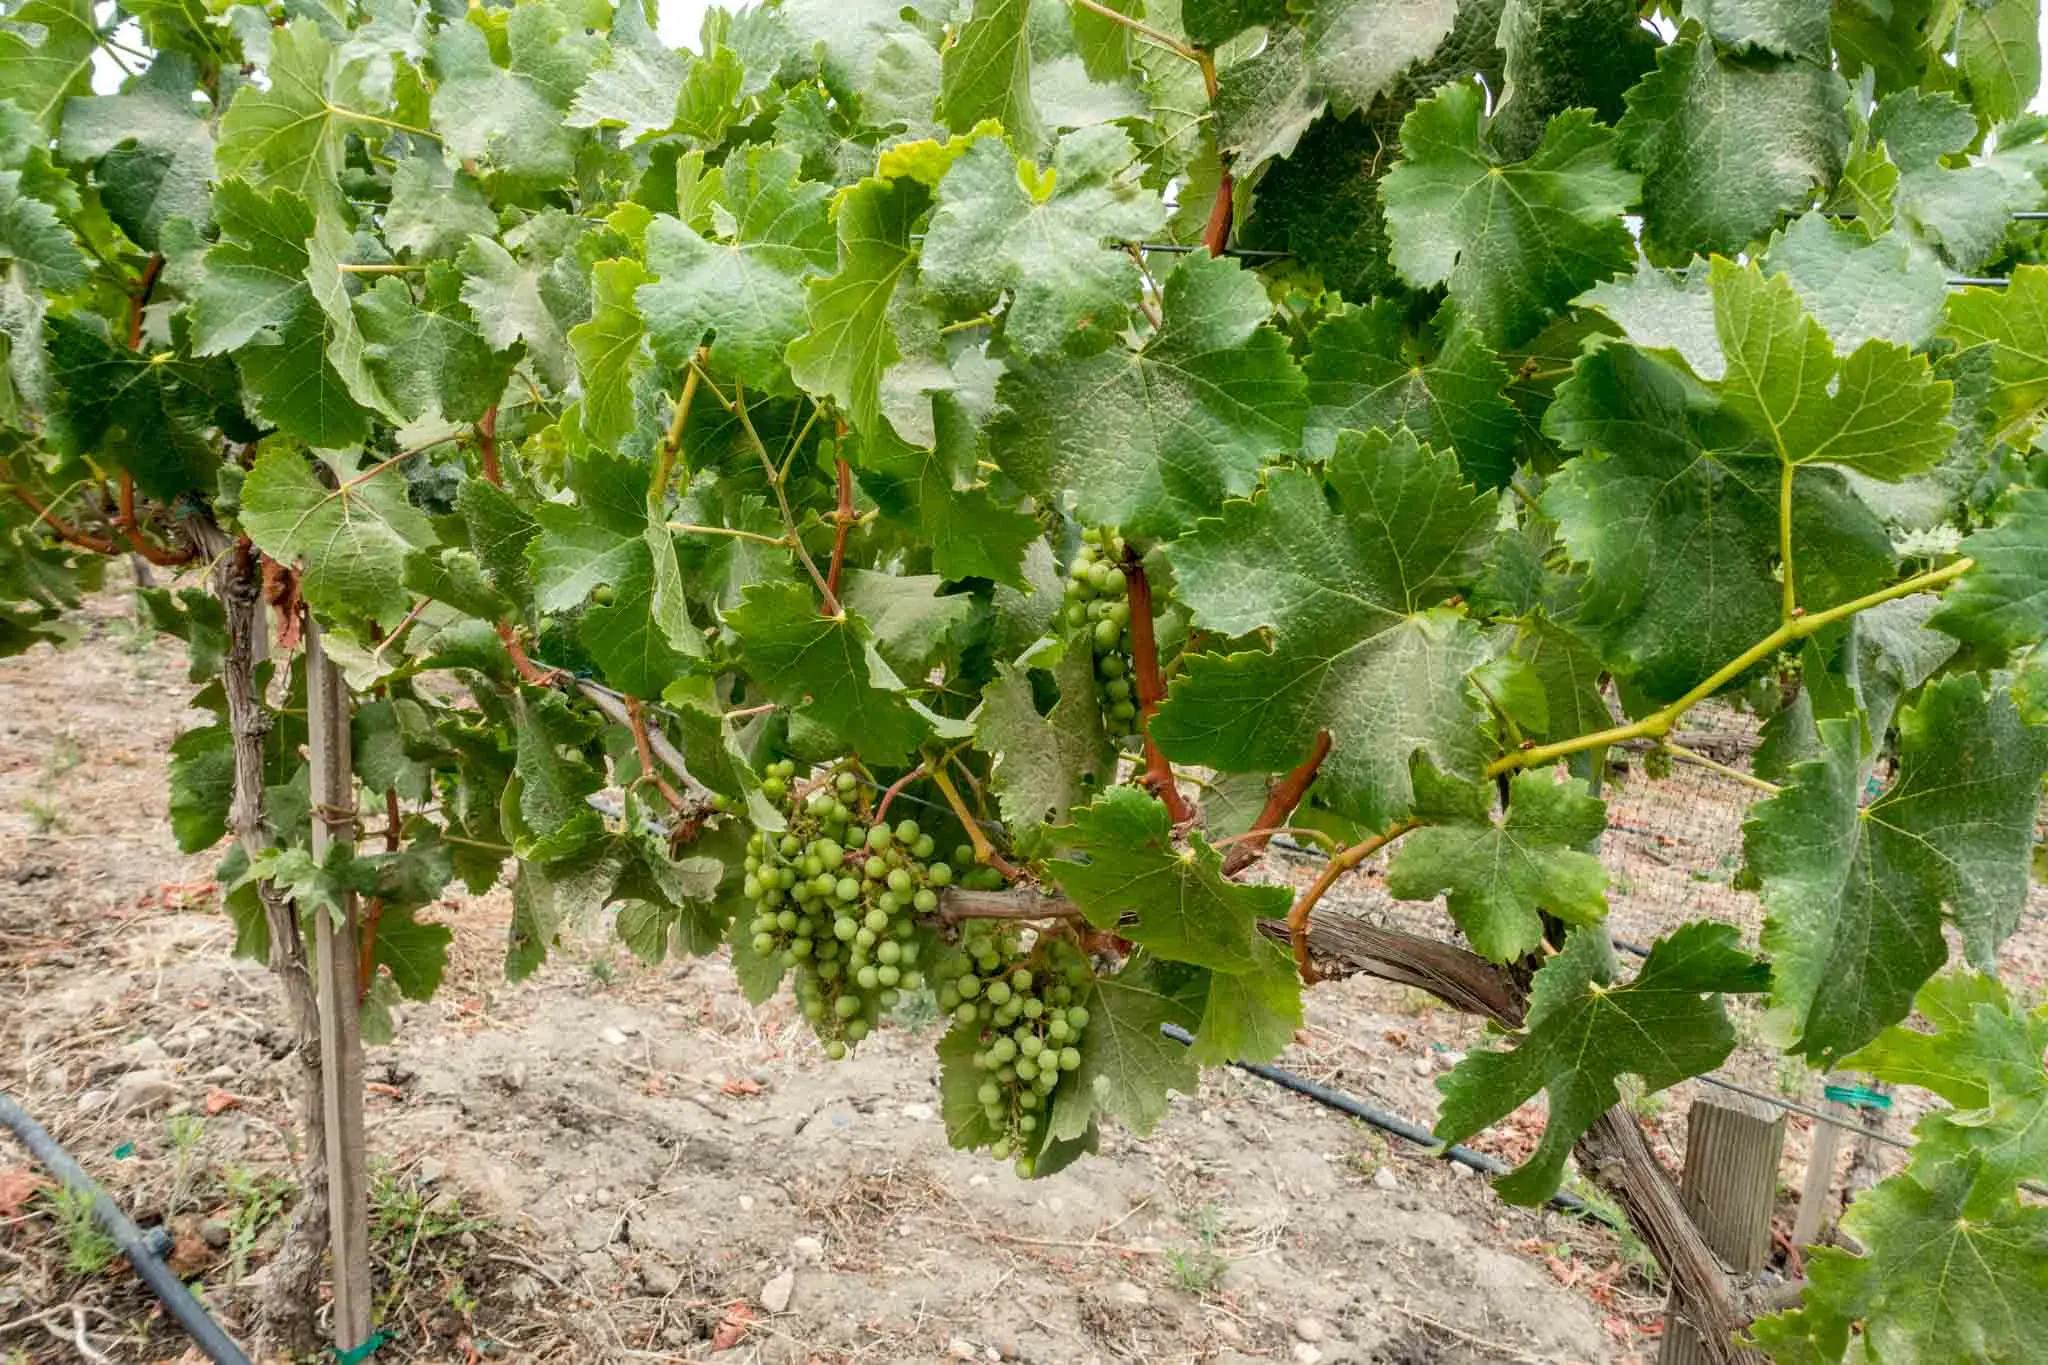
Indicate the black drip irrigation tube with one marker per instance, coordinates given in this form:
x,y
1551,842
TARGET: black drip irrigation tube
x,y
140,1249
1396,1126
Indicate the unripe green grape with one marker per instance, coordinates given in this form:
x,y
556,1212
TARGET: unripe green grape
x,y
889,974
754,842
969,987
829,971
911,981
845,782
771,895
923,848
856,1030
788,845
1002,1050
878,837
1001,1150
868,978
1030,1045
939,874
1007,1075
1025,1168
889,997
801,947
786,921
836,1051
1078,1017
1077,615
864,937
1027,1123
1123,710
764,944
1048,1080
802,893
814,1009
720,801
1070,1059
989,1093
751,887
846,889
1119,612
1020,980
1027,1070
1058,1031
949,1000
1095,611
998,992
889,951
1074,590
1117,689
831,854
772,788
1107,633
1029,1100
1060,995
785,877
887,903
925,901
899,881
964,1012
825,884
1110,666
812,865
963,855
877,920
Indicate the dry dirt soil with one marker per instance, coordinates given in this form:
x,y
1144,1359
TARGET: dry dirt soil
x,y
616,1163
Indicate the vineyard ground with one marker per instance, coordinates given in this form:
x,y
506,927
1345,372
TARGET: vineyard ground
x,y
612,1162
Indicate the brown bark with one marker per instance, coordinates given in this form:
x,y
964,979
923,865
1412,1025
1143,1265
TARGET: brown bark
x,y
291,1297
1150,689
1286,794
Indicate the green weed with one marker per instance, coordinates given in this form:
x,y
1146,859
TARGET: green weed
x,y
87,1248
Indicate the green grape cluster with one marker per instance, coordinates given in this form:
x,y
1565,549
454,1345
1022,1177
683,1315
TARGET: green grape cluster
x,y
1096,607
837,901
1029,1024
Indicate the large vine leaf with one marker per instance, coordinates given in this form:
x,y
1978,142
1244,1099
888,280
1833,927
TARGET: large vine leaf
x,y
2002,601
512,120
1129,877
1349,572
1365,371
1499,878
1584,1032
746,291
1045,764
353,537
1725,146
46,52
1149,439
986,72
1858,896
1001,228
1513,243
611,352
2013,322
849,341
826,667
290,134
1128,1065
152,417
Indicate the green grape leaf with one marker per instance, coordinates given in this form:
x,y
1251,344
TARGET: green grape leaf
x,y
1880,411
381,731
1364,371
1127,1065
827,667
514,307
914,625
1042,244
849,342
510,121
1356,48
551,789
1941,1279
1857,896
1998,50
1784,28
1669,313
255,297
1678,523
435,208
985,73
970,532
610,354
1045,764
153,152
1984,1057
1499,878
1249,1016
428,355
153,416
290,134
595,542
1859,288
1350,593
1566,54
1963,210
415,953
1513,243
2001,603
2013,322
353,538
1584,1032
1725,146
500,531
748,290
35,242
1265,103
40,72
626,638
1175,902
202,776
637,88
1150,439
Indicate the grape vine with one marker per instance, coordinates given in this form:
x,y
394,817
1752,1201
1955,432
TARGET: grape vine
x,y
1087,440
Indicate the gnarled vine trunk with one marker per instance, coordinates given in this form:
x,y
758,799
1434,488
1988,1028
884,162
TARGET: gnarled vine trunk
x,y
291,1299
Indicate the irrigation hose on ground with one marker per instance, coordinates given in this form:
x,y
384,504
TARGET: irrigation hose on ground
x,y
134,1244
1395,1125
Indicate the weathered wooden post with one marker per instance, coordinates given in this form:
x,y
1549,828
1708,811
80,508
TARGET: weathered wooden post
x,y
1732,1148
341,1033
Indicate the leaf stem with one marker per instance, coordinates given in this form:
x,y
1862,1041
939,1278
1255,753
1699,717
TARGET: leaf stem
x,y
739,408
1297,918
842,525
984,851
636,721
374,470
65,531
968,324
1144,30
894,789
348,268
487,445
692,529
1145,670
1791,603
382,122
1320,838
1700,760
1658,723
1280,803
672,439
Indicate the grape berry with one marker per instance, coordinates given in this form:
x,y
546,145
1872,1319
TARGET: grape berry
x,y
1027,1026
1097,610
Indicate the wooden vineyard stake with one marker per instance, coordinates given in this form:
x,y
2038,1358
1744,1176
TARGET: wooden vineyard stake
x,y
341,1034
1732,1148
1816,1194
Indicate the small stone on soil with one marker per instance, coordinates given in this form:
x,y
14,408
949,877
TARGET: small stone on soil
x,y
1130,1295
140,1092
659,1280
215,1233
1423,1066
1305,1354
959,1348
1384,1178
430,1169
808,1250
615,1037
1308,1329
775,1294
918,1113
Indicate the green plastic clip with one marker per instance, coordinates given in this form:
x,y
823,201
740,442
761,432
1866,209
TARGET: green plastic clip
x,y
124,1151
356,1355
1857,1096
